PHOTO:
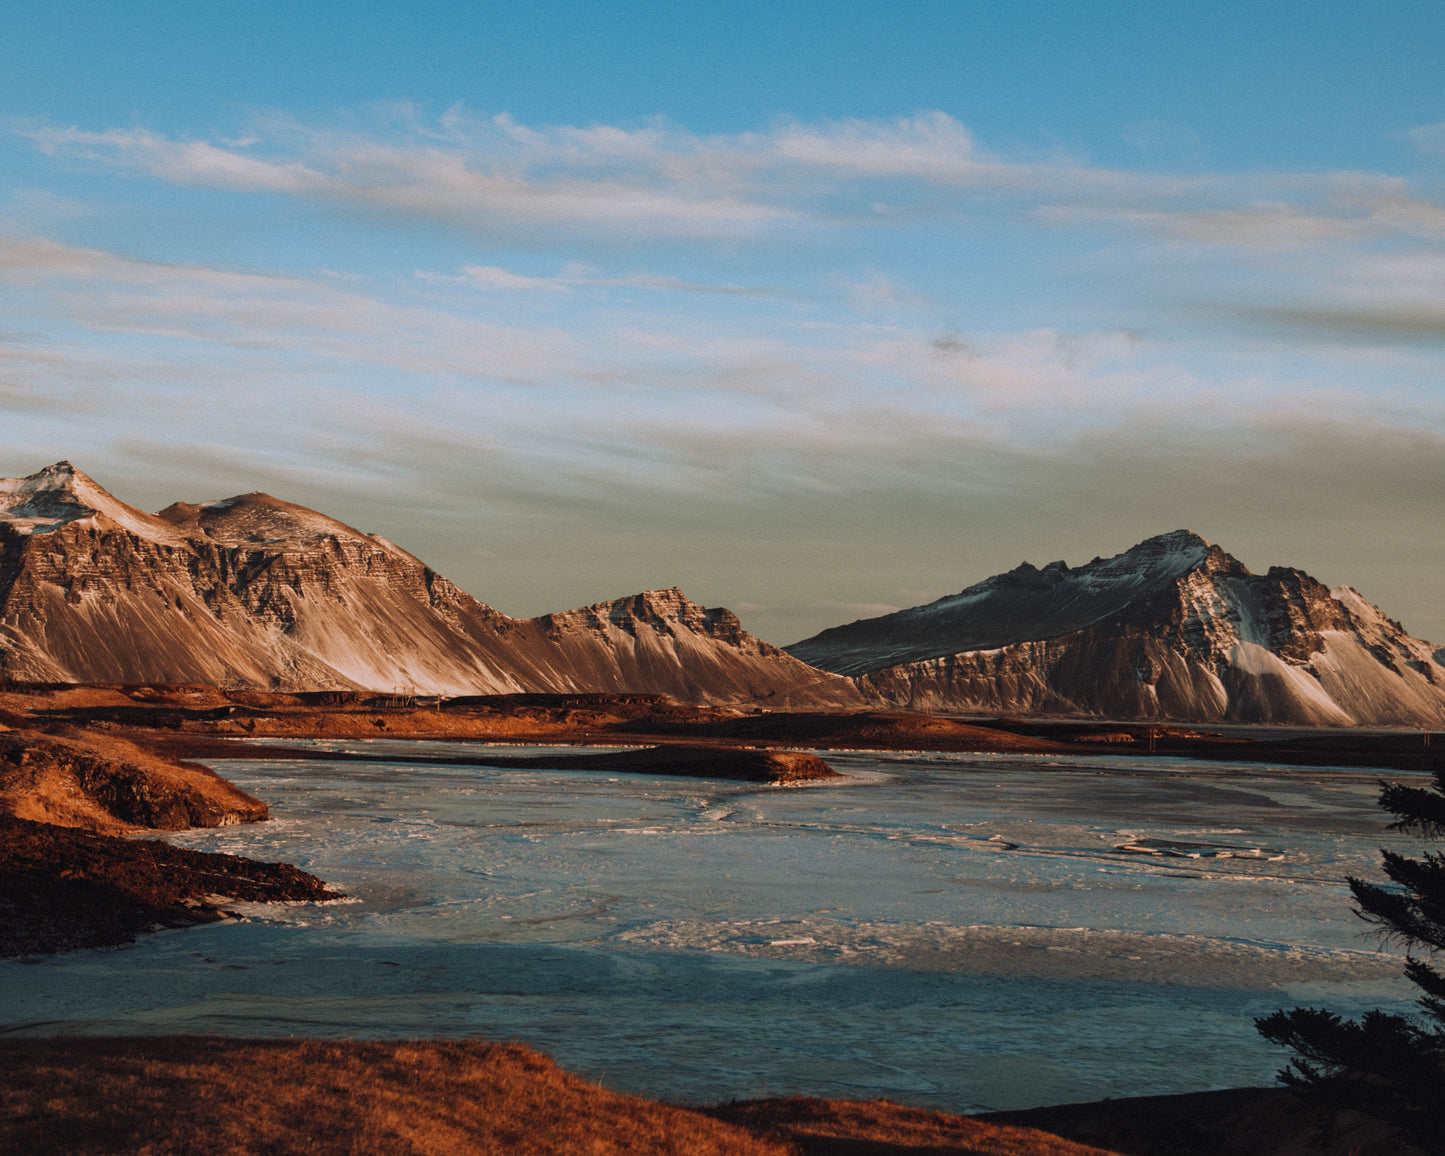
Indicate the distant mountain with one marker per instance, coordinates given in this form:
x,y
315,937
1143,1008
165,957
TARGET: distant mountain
x,y
253,591
1174,628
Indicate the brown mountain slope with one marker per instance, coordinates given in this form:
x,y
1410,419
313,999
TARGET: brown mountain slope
x,y
257,592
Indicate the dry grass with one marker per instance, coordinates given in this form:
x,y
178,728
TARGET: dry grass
x,y
78,778
201,1096
879,1128
206,1096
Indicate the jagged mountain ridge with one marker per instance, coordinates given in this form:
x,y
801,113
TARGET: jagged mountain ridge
x,y
254,591
1173,628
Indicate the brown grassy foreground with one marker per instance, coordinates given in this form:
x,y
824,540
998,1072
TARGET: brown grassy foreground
x,y
205,1096
77,778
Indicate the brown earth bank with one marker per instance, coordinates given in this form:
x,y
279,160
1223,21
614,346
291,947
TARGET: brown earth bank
x,y
186,719
102,782
62,889
206,1096
742,764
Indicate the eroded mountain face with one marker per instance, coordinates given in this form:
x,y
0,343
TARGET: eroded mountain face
x,y
1174,628
257,592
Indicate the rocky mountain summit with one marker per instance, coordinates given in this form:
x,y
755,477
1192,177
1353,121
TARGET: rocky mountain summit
x,y
257,592
1173,628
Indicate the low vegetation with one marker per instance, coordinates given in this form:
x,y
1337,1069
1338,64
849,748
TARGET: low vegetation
x,y
75,778
1389,1066
204,1096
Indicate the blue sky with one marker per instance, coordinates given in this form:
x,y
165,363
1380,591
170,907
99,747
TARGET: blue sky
x,y
812,310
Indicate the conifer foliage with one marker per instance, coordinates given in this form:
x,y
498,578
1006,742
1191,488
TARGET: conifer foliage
x,y
1389,1066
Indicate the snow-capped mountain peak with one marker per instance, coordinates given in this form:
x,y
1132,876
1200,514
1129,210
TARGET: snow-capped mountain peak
x,y
60,494
1174,627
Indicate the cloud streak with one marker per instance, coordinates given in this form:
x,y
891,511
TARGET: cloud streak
x,y
496,177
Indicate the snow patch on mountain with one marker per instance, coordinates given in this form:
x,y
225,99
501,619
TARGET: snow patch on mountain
x,y
60,495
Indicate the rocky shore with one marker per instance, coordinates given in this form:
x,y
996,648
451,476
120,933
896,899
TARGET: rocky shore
x,y
62,889
103,783
69,879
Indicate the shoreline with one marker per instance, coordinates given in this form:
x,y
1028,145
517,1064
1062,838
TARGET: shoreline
x,y
85,889
66,889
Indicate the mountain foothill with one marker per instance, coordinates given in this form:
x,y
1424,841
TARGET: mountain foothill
x,y
256,592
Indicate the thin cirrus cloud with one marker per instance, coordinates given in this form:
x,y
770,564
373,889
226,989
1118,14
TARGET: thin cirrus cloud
x,y
722,412
495,177
1326,211
484,183
878,385
1385,296
493,277
641,382
108,293
492,174
1429,138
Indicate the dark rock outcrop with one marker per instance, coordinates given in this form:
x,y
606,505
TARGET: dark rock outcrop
x,y
62,889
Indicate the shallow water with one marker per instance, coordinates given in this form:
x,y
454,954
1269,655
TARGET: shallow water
x,y
963,931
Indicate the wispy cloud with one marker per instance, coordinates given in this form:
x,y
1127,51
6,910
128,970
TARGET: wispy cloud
x,y
306,318
1428,138
181,162
1326,212
577,276
1389,296
484,176
495,177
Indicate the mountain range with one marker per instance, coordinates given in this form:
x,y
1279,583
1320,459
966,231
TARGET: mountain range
x,y
1173,628
253,591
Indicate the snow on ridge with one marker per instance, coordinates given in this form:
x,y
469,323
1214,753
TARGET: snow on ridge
x,y
60,494
1162,557
1165,555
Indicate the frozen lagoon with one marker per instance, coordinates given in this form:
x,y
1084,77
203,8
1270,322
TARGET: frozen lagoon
x,y
962,931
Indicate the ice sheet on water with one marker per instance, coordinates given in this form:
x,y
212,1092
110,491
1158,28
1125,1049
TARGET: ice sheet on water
x,y
1163,960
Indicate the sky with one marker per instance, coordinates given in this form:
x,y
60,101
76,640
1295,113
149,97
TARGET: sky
x,y
813,310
